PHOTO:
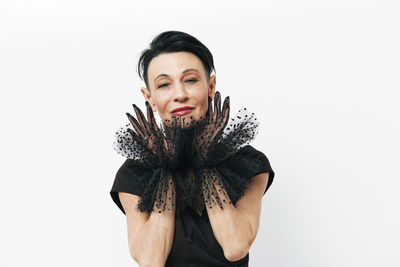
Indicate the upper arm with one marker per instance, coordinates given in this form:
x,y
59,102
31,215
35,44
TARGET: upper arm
x,y
130,203
134,217
250,204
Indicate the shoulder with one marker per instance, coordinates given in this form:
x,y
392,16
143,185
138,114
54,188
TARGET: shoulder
x,y
254,162
130,168
249,153
131,179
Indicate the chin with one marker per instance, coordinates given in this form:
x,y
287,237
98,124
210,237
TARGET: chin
x,y
186,121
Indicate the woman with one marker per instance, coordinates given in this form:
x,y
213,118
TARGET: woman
x,y
210,191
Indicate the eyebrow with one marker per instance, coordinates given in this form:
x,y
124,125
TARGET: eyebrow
x,y
166,75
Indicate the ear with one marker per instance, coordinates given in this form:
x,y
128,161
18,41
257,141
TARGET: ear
x,y
211,86
147,97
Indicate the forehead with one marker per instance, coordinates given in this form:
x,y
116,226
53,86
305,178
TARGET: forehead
x,y
173,64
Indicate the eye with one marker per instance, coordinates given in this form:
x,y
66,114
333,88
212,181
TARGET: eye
x,y
162,85
193,80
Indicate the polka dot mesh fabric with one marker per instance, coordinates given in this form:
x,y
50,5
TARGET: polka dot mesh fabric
x,y
190,162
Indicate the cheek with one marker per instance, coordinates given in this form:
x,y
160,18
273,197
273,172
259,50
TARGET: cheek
x,y
204,105
161,103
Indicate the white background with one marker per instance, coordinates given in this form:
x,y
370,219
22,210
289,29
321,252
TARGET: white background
x,y
321,76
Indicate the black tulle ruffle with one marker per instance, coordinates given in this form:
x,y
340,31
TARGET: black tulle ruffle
x,y
227,163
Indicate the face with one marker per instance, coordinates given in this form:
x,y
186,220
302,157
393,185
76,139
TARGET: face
x,y
178,80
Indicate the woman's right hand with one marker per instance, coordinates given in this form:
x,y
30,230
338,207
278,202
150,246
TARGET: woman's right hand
x,y
147,132
162,144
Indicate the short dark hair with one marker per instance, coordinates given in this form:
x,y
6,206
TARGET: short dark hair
x,y
174,41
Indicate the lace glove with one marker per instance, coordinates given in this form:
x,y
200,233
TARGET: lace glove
x,y
155,150
214,141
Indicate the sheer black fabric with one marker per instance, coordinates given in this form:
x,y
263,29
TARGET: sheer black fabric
x,y
191,155
188,164
133,179
194,241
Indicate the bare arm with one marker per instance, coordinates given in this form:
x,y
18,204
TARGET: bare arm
x,y
236,227
150,235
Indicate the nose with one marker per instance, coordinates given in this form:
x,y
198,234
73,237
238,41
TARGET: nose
x,y
180,93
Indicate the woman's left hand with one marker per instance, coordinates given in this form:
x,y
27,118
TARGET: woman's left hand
x,y
212,128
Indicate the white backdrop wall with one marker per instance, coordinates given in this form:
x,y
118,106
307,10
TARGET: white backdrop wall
x,y
321,76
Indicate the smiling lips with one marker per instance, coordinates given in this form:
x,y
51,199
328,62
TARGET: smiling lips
x,y
182,111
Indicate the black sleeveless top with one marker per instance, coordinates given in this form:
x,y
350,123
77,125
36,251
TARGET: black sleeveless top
x,y
194,243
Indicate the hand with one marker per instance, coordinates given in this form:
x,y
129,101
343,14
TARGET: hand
x,y
212,145
203,153
157,152
210,130
148,134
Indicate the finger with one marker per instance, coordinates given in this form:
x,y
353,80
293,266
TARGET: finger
x,y
142,119
166,145
135,125
150,117
135,137
225,113
217,106
153,126
209,111
168,126
143,142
